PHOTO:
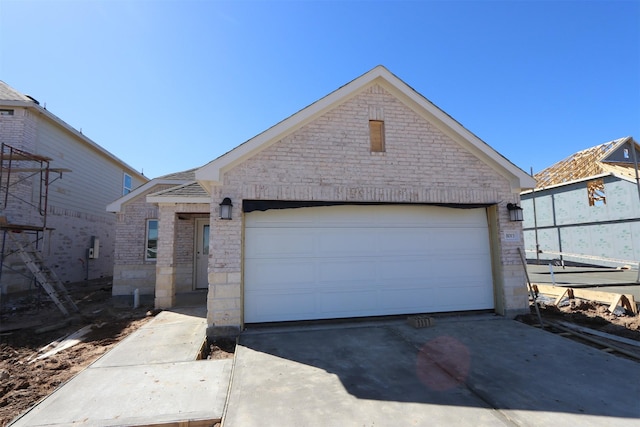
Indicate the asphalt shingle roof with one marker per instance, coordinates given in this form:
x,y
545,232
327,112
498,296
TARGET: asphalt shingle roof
x,y
7,93
192,189
188,175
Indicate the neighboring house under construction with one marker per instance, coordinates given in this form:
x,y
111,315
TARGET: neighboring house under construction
x,y
54,187
586,208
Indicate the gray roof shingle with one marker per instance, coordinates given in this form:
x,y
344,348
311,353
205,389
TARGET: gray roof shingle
x,y
189,175
192,189
7,93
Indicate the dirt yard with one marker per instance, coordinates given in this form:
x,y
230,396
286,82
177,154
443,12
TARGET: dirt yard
x,y
591,315
595,316
30,322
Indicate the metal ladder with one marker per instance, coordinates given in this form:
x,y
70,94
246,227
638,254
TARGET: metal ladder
x,y
46,277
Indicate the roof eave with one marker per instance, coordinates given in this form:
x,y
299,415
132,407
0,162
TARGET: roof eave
x,y
58,121
116,205
579,180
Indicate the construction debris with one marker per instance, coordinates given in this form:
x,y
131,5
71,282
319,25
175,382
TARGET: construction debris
x,y
596,333
65,343
421,321
626,301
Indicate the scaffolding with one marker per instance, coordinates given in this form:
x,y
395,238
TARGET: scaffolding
x,y
24,194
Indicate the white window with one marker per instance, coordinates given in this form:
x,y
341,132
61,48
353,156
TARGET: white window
x,y
151,251
126,184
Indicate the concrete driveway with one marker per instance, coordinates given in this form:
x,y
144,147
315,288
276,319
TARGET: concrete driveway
x,y
475,371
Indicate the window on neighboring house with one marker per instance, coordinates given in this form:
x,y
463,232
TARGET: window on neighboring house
x,y
126,184
625,153
152,240
5,112
376,135
595,192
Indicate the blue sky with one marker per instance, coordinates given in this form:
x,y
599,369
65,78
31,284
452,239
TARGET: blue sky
x,y
170,85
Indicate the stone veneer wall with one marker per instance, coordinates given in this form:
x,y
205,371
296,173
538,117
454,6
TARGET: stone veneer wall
x,y
329,159
176,242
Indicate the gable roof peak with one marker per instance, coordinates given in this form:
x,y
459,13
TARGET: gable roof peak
x,y
212,173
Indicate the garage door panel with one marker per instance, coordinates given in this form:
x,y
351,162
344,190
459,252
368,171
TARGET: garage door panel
x,y
466,240
274,243
409,300
274,275
344,261
280,305
463,298
464,261
346,242
343,271
335,304
405,241
286,218
390,270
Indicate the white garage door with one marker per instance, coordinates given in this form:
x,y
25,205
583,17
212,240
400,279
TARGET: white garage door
x,y
350,261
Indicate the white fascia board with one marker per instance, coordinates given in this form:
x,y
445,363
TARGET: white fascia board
x,y
178,199
623,177
116,206
575,181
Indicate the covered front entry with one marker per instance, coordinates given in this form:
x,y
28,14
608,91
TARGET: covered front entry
x,y
356,260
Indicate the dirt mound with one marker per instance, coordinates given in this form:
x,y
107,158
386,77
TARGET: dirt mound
x,y
30,322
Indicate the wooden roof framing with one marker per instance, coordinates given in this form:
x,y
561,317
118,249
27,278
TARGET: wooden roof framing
x,y
587,163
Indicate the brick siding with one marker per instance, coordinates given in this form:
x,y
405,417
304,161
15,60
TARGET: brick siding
x,y
329,159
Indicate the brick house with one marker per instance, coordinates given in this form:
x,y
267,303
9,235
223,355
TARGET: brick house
x,y
54,187
371,201
136,237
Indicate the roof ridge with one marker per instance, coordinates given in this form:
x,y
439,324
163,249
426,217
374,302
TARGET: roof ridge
x,y
188,174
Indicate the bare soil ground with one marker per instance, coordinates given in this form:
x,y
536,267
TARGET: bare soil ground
x,y
30,322
594,316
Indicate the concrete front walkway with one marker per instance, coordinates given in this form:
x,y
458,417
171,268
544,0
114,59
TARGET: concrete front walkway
x,y
478,371
151,377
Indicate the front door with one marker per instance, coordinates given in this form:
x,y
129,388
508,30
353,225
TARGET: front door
x,y
202,253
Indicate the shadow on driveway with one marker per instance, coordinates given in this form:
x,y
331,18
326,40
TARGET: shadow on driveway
x,y
480,371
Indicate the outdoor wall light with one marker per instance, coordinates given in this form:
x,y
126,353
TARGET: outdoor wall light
x,y
225,208
515,212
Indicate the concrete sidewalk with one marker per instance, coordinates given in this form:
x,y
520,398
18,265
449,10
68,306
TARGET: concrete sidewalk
x,y
152,377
